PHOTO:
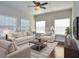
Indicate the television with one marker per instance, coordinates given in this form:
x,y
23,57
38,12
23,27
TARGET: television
x,y
76,28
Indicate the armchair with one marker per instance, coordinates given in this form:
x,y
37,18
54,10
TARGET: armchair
x,y
49,36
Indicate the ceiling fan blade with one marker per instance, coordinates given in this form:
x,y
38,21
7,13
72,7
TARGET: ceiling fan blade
x,y
44,3
36,3
30,6
43,7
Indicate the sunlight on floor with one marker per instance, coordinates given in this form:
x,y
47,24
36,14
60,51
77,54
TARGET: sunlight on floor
x,y
59,52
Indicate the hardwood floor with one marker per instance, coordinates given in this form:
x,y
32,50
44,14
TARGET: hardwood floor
x,y
59,50
58,53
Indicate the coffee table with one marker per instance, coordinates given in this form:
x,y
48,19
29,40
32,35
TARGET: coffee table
x,y
38,45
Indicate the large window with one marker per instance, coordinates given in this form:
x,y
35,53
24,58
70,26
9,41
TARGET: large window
x,y
60,25
40,26
7,22
25,25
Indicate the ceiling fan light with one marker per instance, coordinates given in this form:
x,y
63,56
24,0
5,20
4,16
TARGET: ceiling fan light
x,y
37,8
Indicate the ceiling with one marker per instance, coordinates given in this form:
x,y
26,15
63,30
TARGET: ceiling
x,y
52,6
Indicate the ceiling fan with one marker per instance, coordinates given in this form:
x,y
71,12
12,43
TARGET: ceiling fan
x,y
39,5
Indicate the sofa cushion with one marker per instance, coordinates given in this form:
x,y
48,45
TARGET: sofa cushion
x,y
21,34
24,33
29,33
30,37
3,52
20,39
12,34
23,40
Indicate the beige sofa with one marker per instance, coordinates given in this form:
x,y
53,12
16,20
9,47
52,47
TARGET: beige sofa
x,y
10,50
50,37
20,53
20,37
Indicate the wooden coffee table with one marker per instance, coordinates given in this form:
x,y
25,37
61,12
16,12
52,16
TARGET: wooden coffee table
x,y
38,45
47,52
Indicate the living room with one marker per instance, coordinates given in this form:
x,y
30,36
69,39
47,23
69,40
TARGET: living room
x,y
39,29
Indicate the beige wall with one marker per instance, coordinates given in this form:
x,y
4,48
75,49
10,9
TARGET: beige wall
x,y
75,12
50,17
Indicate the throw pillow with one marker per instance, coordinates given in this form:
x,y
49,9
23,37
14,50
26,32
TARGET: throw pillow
x,y
29,33
12,36
24,33
19,34
2,35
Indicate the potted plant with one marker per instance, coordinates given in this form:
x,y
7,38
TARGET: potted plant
x,y
68,31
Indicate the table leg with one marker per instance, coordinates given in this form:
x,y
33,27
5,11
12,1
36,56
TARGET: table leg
x,y
39,48
29,43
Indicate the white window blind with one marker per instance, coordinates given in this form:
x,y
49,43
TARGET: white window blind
x,y
25,25
7,22
61,24
40,26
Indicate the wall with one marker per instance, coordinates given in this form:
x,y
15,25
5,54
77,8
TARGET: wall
x,y
50,17
75,12
9,11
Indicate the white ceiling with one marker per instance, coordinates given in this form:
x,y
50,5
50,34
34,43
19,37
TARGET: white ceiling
x,y
52,6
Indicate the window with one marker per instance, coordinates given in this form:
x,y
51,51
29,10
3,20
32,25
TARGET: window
x,y
40,26
25,25
61,24
7,22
